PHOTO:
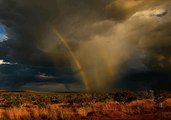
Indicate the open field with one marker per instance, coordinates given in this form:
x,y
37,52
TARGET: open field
x,y
75,106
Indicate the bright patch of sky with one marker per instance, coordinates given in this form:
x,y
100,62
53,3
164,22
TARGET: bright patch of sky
x,y
3,34
2,62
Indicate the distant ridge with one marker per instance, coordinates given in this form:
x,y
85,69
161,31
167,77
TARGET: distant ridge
x,y
31,91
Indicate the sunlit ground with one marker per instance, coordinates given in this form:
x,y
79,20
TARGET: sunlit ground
x,y
75,106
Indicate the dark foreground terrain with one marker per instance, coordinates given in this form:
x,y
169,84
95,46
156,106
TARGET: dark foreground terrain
x,y
123,105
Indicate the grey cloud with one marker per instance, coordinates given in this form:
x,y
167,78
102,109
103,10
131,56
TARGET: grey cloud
x,y
104,34
18,75
29,22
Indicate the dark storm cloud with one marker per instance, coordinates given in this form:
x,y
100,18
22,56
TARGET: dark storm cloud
x,y
13,77
121,23
28,23
151,69
157,47
145,81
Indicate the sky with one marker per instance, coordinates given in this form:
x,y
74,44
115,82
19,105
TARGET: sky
x,y
69,45
3,33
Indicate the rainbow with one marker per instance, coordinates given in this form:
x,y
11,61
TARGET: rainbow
x,y
74,57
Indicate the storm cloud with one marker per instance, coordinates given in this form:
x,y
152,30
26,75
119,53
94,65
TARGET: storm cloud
x,y
116,41
28,24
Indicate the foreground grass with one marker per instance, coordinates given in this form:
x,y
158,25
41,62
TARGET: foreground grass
x,y
41,107
139,109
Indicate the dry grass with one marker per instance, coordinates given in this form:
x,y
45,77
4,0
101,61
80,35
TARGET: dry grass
x,y
168,102
15,113
139,109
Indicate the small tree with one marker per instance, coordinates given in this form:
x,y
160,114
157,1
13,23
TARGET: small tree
x,y
159,98
124,97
